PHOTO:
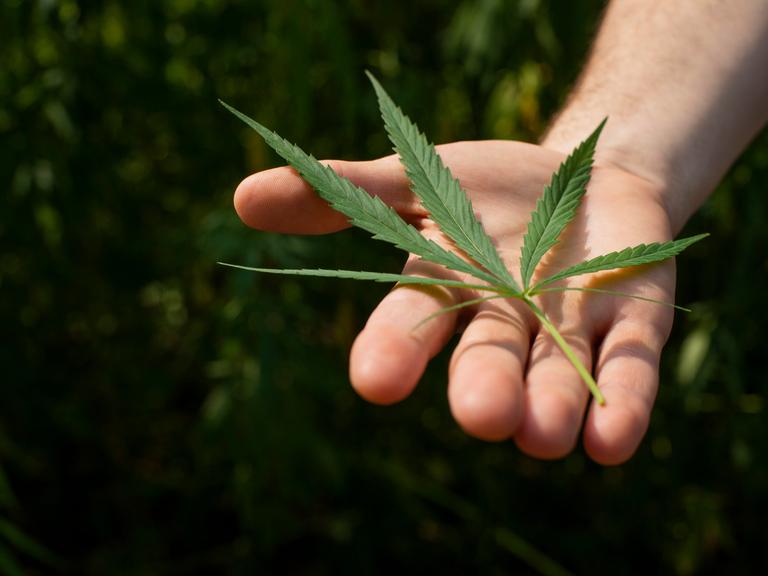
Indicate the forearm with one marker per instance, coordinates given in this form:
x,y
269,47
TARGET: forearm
x,y
685,86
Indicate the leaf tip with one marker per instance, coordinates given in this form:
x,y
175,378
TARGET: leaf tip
x,y
376,84
595,136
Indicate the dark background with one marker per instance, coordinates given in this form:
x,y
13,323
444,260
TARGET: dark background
x,y
161,415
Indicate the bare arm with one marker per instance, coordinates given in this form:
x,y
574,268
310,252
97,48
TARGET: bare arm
x,y
685,84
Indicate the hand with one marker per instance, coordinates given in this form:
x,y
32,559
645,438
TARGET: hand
x,y
507,377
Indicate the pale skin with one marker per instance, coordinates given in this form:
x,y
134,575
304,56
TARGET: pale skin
x,y
685,87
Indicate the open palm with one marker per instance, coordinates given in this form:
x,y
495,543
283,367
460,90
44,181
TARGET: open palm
x,y
507,376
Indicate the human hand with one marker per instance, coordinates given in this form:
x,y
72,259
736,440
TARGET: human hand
x,y
507,377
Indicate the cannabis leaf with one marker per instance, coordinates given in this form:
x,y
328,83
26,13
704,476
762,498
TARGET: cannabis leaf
x,y
438,190
450,208
557,207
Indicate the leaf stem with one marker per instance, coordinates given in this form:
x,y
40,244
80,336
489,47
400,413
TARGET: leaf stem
x,y
568,351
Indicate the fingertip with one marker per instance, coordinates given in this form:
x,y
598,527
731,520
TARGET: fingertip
x,y
242,200
550,426
486,408
628,375
385,366
279,200
614,431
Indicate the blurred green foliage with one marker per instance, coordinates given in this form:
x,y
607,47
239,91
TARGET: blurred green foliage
x,y
160,415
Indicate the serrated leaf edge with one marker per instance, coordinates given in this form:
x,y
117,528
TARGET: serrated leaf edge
x,y
632,256
364,210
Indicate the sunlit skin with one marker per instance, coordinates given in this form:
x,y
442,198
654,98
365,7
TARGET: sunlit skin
x,y
507,377
685,87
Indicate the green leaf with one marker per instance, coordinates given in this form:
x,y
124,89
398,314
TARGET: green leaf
x,y
371,276
363,210
557,207
440,193
634,256
449,207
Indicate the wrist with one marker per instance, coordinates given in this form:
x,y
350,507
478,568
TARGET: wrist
x,y
630,151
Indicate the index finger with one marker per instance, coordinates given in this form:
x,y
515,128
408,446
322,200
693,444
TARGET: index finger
x,y
279,200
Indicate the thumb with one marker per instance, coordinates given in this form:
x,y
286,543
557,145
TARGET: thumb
x,y
279,200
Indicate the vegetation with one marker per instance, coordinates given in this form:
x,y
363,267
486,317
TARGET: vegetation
x,y
162,415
